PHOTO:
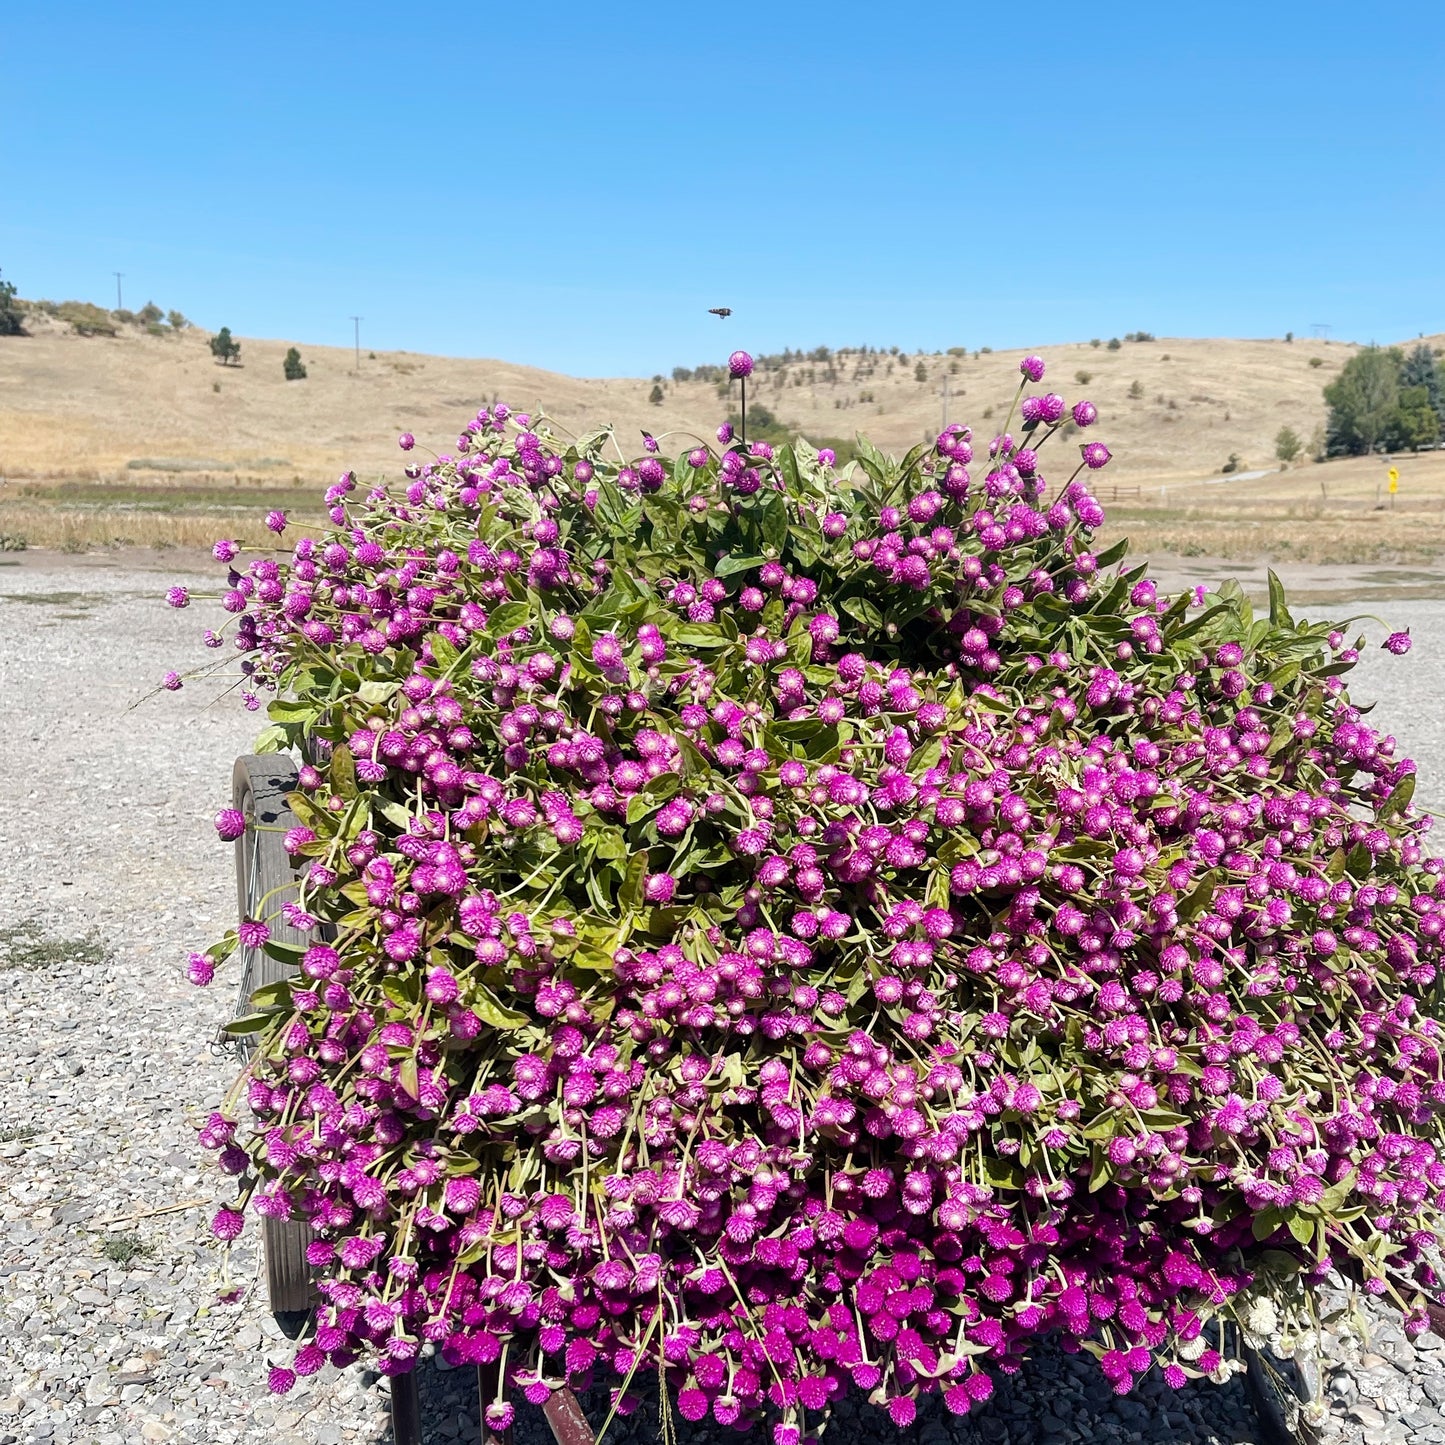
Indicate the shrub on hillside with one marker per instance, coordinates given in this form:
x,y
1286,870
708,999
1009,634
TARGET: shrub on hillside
x,y
293,366
12,315
86,319
224,347
804,932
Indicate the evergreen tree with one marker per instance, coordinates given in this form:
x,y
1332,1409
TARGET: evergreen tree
x,y
655,395
223,348
11,316
1420,369
293,366
1287,445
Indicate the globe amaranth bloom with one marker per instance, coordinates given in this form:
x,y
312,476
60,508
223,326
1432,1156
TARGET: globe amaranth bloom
x,y
1032,367
1398,643
740,364
1095,455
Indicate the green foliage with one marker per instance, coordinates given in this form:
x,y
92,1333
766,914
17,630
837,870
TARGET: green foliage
x,y
28,945
1289,336
224,348
1136,390
1383,398
1096,343
125,1249
293,366
12,318
920,372
1083,377
655,395
150,314
1138,336
86,319
1316,362
1234,464
1287,444
176,321
1114,343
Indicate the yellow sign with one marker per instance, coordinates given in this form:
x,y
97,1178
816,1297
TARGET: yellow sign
x,y
1394,476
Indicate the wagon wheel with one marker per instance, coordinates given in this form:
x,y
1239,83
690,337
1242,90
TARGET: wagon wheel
x,y
258,788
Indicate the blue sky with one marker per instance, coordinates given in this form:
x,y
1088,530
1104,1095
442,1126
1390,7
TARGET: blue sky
x,y
574,185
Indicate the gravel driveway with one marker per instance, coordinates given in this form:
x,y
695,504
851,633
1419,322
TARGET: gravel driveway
x,y
119,1322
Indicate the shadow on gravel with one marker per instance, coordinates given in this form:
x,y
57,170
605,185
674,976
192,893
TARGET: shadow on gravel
x,y
1057,1399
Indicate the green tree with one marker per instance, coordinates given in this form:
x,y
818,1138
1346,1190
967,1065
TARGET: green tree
x,y
223,347
655,395
176,321
920,372
11,317
1136,389
1421,369
1287,444
151,314
1114,343
1415,423
293,366
1362,401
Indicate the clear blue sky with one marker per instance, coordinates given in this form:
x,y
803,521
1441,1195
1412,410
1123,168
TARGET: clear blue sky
x,y
574,185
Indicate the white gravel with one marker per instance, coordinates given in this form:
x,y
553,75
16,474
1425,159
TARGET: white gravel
x,y
105,808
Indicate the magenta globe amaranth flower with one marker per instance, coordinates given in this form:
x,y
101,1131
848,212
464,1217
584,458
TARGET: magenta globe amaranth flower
x,y
172,682
1095,455
230,824
1085,413
178,597
1398,643
406,441
852,917
1032,367
740,365
276,521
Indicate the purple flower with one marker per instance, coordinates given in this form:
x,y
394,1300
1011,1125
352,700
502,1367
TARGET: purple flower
x,y
1095,455
406,441
172,682
1085,413
200,970
230,824
1032,367
276,521
178,597
225,551
740,364
1398,643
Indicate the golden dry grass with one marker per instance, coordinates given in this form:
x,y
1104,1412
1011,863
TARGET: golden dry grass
x,y
146,440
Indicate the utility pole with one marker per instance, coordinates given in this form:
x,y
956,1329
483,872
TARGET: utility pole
x,y
356,325
118,275
945,402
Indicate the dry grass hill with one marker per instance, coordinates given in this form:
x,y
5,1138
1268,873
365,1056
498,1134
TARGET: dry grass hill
x,y
144,437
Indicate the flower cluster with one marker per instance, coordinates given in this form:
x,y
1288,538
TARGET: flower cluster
x,y
795,932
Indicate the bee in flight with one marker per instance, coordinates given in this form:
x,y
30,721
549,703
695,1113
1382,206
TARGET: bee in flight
x,y
721,312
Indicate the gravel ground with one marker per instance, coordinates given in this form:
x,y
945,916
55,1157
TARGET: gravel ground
x,y
119,1322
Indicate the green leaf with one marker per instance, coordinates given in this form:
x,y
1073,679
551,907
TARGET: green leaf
x,y
490,1009
343,771
508,618
732,564
374,691
283,952
1399,798
272,995
1278,611
1266,1222
271,740
288,710
444,653
1112,554
864,611
394,813
250,1024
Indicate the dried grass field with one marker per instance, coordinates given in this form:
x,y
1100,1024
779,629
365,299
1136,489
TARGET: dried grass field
x,y
144,440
